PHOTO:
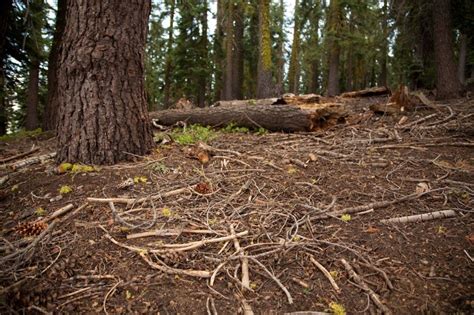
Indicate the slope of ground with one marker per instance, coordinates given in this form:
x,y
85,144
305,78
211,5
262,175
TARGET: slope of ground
x,y
272,204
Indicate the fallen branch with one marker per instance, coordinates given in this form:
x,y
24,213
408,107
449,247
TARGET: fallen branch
x,y
422,217
59,212
325,273
169,232
174,271
374,205
140,200
244,260
274,278
373,296
375,91
17,156
31,160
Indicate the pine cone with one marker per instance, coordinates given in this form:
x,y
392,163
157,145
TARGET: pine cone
x,y
203,188
27,229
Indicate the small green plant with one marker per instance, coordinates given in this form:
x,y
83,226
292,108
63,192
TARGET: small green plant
x,y
140,179
346,217
21,134
159,168
233,128
193,134
166,212
64,190
261,131
79,168
40,212
337,309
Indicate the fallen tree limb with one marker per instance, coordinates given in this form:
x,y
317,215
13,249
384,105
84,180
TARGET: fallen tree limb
x,y
422,217
274,118
375,91
140,200
373,296
17,156
174,271
325,273
29,161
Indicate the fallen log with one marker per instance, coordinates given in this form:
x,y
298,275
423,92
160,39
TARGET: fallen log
x,y
285,99
285,118
375,91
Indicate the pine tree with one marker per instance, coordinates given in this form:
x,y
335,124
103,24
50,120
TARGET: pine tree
x,y
265,87
334,49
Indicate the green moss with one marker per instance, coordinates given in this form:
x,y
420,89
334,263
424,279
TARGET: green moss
x,y
193,134
21,134
233,128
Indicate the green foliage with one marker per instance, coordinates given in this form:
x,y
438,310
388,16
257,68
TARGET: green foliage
x,y
233,128
64,190
21,134
193,134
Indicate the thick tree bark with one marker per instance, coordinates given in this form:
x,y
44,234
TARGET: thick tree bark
x,y
265,87
32,97
285,118
102,108
447,82
335,16
280,46
202,80
51,108
168,62
5,11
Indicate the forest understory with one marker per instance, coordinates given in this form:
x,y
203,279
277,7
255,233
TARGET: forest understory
x,y
268,223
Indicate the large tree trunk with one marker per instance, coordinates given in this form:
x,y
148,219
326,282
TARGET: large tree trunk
x,y
280,46
102,114
32,97
447,82
265,86
203,41
335,16
168,62
5,11
219,60
286,118
51,108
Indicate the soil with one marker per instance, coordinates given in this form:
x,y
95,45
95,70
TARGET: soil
x,y
290,193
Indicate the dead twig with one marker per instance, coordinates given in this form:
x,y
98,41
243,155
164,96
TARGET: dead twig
x,y
325,273
422,217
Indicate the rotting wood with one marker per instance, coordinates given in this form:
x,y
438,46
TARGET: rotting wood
x,y
29,161
284,118
422,217
375,91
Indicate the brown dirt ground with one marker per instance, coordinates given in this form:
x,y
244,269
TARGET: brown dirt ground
x,y
263,190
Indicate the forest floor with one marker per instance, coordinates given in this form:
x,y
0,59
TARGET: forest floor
x,y
273,204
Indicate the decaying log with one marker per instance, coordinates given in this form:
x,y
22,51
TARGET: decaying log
x,y
375,91
271,117
263,101
390,108
286,99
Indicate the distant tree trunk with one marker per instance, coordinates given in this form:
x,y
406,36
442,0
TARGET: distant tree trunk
x,y
168,62
280,66
265,86
6,7
334,20
462,58
51,107
293,70
102,115
238,60
384,50
219,59
32,98
229,53
202,80
447,82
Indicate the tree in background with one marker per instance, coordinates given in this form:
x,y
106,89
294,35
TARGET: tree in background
x,y
6,8
102,115
334,24
51,106
294,67
265,86
447,82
